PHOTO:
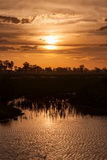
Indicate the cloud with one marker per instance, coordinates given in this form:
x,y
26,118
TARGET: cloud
x,y
27,48
73,21
80,58
102,28
90,58
20,48
4,41
8,19
26,20
6,48
15,20
77,21
59,18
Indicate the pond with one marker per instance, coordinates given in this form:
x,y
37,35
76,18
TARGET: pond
x,y
53,129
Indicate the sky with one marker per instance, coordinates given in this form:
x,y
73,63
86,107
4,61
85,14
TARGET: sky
x,y
54,33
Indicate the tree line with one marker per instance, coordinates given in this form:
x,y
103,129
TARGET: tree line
x,y
27,67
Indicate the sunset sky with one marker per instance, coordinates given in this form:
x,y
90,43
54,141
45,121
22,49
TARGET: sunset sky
x,y
54,32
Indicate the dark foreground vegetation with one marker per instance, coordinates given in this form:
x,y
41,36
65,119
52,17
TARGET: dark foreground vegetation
x,y
7,112
8,66
83,87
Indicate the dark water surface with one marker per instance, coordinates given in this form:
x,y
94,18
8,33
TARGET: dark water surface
x,y
53,130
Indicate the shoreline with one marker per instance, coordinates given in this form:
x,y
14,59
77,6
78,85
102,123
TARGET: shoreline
x,y
8,113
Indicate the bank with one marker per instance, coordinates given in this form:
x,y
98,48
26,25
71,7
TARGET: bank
x,y
8,112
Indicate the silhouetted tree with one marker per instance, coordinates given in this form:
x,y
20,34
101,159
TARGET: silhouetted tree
x,y
11,65
74,69
33,67
97,69
6,64
1,65
60,69
104,69
81,67
38,69
48,69
26,66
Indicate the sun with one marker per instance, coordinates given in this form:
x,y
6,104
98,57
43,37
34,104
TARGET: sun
x,y
51,47
51,40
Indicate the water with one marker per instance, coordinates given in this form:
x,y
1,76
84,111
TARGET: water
x,y
56,132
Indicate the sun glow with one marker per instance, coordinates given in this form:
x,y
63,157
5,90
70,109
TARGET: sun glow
x,y
51,42
50,47
51,39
